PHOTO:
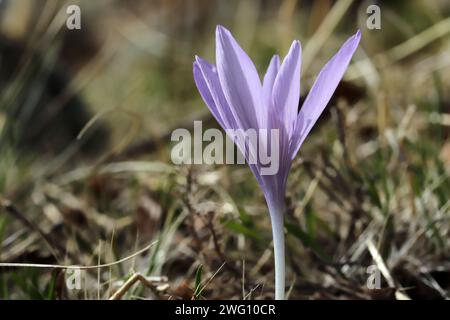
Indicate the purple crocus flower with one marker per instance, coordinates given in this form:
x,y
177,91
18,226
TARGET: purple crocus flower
x,y
238,100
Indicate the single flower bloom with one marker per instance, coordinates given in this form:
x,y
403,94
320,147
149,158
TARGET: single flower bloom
x,y
238,100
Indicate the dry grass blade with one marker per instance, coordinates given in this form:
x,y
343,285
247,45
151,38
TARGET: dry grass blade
x,y
137,277
58,266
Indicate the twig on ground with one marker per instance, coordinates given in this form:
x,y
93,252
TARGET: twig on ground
x,y
147,281
37,265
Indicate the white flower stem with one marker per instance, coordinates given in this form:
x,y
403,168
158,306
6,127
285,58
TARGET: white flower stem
x,y
277,217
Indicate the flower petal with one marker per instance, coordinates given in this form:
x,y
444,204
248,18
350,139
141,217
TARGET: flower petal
x,y
239,80
207,81
286,89
205,92
269,80
322,90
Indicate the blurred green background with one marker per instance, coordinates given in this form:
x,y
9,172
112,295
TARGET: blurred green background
x,y
86,176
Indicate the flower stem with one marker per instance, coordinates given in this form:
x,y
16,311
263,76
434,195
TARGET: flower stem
x,y
277,217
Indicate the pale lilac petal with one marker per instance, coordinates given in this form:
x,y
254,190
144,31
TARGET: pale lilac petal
x,y
205,92
322,90
269,80
207,81
239,80
286,89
